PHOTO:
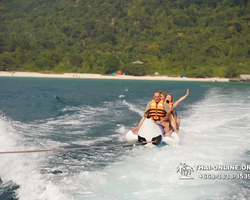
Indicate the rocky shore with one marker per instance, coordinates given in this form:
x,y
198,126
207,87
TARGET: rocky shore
x,y
243,78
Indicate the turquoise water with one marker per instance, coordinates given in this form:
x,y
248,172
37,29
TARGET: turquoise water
x,y
41,113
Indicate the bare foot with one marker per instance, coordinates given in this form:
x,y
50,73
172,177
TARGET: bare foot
x,y
169,133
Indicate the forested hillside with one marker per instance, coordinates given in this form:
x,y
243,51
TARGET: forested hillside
x,y
172,37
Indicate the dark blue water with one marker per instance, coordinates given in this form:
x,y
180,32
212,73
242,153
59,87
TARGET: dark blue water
x,y
63,113
29,99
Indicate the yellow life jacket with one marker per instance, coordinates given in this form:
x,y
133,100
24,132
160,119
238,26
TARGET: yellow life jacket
x,y
157,110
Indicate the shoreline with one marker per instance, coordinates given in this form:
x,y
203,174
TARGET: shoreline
x,y
99,76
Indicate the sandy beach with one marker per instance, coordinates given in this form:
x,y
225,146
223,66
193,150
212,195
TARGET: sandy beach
x,y
99,76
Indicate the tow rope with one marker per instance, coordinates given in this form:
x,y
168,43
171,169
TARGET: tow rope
x,y
71,149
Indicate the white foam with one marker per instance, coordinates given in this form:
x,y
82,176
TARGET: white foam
x,y
216,131
133,108
23,169
210,138
121,130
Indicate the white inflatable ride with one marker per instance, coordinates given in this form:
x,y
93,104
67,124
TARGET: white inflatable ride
x,y
151,134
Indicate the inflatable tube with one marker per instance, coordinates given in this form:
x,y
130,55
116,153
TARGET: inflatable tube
x,y
172,140
150,132
153,134
131,137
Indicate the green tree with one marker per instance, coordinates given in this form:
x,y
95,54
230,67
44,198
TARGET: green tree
x,y
231,72
111,64
135,70
198,37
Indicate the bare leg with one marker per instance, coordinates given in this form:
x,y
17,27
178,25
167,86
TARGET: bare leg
x,y
173,124
165,126
166,129
169,133
178,123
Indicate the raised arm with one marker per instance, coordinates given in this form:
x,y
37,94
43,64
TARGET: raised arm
x,y
180,100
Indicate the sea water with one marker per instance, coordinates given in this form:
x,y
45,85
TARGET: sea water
x,y
38,113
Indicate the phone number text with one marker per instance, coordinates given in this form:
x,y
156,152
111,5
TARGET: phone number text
x,y
224,176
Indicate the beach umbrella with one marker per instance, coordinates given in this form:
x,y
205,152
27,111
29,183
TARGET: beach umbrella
x,y
119,72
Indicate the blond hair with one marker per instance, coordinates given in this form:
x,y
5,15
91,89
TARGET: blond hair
x,y
162,93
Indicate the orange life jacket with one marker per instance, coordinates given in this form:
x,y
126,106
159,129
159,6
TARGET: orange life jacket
x,y
170,105
157,110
